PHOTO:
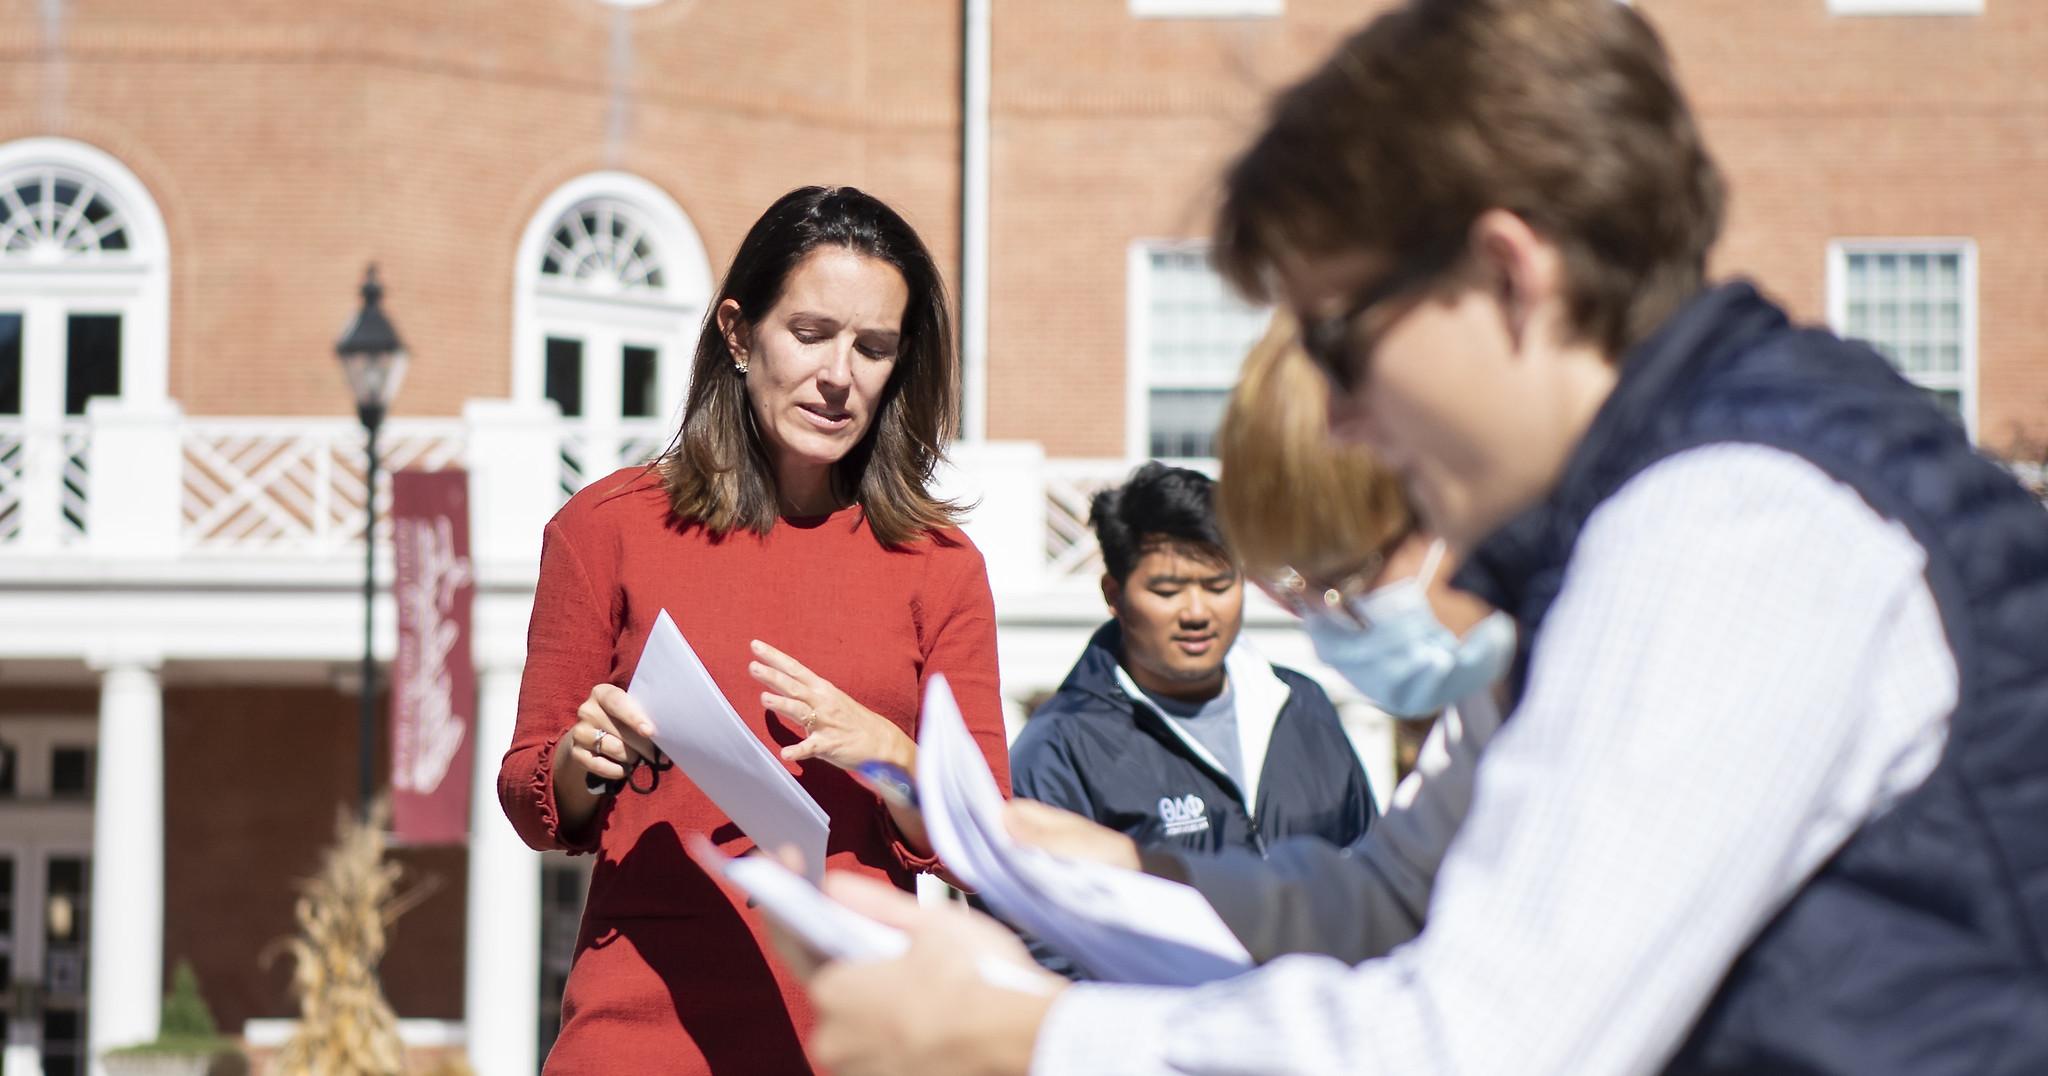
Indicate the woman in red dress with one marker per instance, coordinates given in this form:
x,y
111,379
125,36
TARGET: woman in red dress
x,y
791,535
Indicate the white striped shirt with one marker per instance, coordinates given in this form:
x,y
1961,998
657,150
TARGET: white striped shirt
x,y
1744,665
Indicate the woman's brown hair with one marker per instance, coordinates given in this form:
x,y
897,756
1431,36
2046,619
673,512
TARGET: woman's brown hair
x,y
717,471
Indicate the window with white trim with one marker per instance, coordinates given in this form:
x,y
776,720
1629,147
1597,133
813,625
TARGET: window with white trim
x,y
83,312
1915,300
1189,335
613,286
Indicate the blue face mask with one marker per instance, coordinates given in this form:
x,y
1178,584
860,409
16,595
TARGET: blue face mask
x,y
1399,655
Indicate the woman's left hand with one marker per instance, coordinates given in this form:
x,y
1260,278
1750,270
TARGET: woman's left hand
x,y
835,727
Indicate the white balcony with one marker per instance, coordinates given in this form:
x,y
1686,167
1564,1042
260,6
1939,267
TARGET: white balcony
x,y
235,544
153,487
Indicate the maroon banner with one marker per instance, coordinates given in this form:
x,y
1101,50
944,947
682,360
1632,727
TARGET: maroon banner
x,y
433,693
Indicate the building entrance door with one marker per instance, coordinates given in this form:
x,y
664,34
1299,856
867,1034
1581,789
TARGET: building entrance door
x,y
46,770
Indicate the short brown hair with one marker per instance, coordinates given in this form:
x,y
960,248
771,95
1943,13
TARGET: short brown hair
x,y
1564,112
1289,494
717,470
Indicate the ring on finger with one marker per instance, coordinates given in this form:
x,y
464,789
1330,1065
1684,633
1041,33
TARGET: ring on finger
x,y
597,742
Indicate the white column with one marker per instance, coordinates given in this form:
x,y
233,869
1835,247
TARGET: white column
x,y
135,465
512,457
126,961
501,985
1005,482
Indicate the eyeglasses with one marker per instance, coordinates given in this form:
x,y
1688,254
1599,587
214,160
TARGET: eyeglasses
x,y
1332,343
1334,596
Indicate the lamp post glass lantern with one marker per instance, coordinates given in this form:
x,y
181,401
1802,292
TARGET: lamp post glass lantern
x,y
373,361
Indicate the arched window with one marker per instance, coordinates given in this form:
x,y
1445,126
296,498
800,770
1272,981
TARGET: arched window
x,y
612,287
84,267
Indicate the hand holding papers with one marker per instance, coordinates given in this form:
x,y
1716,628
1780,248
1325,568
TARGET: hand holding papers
x,y
700,732
1121,925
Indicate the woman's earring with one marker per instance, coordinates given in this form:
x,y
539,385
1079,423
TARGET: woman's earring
x,y
739,366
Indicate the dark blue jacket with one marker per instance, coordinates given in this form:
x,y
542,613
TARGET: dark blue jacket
x,y
1096,751
1922,945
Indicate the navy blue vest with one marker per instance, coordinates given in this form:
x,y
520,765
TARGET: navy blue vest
x,y
1922,945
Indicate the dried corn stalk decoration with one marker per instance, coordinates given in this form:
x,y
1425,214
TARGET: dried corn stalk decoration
x,y
346,1028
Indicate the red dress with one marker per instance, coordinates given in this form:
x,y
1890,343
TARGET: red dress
x,y
671,975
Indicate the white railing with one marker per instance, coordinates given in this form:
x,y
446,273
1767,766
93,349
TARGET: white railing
x,y
14,493
44,482
589,451
176,486
1070,486
295,486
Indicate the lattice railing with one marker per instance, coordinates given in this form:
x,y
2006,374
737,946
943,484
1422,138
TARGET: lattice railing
x,y
43,482
13,483
1069,486
74,480
590,452
296,486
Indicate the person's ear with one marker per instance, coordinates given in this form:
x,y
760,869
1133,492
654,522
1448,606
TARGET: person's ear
x,y
1523,270
733,327
1112,594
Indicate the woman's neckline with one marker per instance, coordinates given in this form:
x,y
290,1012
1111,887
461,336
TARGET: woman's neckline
x,y
815,519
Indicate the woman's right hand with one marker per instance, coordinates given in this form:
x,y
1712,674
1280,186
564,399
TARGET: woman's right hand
x,y
611,733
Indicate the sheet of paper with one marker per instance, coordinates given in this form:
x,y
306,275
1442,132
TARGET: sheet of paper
x,y
703,735
1121,925
827,927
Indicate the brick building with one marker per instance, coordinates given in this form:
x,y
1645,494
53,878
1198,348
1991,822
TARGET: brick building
x,y
190,192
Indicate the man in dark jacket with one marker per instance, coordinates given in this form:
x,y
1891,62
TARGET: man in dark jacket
x,y
1169,728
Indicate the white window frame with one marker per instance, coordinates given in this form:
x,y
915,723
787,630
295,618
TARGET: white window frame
x,y
1207,9
136,287
1905,7
1138,349
1966,385
664,319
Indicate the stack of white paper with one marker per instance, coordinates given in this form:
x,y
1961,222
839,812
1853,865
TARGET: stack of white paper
x,y
1120,925
829,928
703,735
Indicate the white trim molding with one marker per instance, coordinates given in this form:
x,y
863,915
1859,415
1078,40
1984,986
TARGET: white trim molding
x,y
1905,7
1963,380
1208,9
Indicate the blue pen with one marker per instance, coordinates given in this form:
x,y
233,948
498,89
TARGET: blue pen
x,y
889,781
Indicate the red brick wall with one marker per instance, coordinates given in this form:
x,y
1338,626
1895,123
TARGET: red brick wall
x,y
288,145
1107,130
253,777
1836,127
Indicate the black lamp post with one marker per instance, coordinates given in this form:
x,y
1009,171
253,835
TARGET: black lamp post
x,y
373,360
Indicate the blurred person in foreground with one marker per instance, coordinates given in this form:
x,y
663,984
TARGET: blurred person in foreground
x,y
1170,728
791,533
1772,794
